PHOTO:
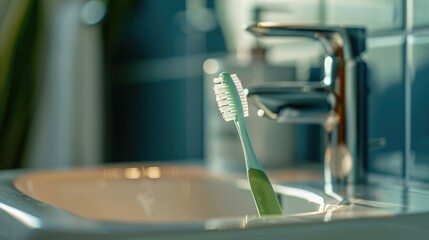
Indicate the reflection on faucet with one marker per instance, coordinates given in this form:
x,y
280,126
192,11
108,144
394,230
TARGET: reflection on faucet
x,y
337,102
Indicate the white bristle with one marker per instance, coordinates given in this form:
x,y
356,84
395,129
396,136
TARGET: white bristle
x,y
224,98
242,94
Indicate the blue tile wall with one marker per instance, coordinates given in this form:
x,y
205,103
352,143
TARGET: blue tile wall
x,y
386,105
420,16
398,100
419,72
376,16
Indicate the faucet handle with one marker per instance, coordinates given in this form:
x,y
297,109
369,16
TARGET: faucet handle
x,y
274,97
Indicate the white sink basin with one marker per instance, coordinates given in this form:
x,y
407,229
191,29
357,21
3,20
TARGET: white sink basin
x,y
157,194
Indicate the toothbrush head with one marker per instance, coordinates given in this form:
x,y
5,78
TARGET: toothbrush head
x,y
230,96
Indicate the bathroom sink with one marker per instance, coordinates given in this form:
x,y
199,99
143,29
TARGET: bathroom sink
x,y
188,202
158,194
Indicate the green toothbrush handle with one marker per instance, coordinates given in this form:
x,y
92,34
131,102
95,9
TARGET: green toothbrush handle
x,y
263,193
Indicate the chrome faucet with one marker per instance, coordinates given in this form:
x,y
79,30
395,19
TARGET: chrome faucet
x,y
338,102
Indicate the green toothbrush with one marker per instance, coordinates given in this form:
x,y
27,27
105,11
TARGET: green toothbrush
x,y
232,103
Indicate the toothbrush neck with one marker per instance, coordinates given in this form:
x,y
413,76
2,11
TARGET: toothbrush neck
x,y
249,154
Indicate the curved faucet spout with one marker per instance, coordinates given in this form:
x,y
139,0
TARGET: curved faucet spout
x,y
348,42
